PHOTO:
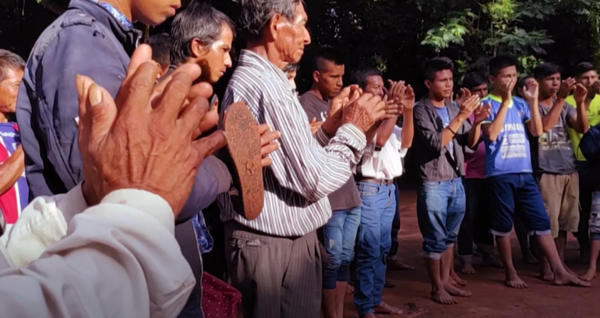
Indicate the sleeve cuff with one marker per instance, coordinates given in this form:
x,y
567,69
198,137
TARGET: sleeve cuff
x,y
220,172
72,203
145,201
354,133
321,137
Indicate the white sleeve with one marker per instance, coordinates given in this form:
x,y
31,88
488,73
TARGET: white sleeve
x,y
118,259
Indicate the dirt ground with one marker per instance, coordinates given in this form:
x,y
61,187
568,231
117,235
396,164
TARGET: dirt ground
x,y
491,299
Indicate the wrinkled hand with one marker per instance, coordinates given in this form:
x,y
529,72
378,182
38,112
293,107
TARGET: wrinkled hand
x,y
365,112
506,88
336,106
566,87
482,113
580,93
143,139
531,90
268,141
315,125
470,105
396,90
461,98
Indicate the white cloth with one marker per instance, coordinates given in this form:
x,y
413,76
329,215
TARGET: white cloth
x,y
118,259
387,163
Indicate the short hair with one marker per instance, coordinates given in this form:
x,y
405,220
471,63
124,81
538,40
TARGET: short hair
x,y
360,75
545,69
292,67
473,80
521,82
255,14
436,65
161,48
501,62
8,61
328,55
583,67
197,21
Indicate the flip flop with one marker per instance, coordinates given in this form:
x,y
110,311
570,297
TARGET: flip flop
x,y
243,143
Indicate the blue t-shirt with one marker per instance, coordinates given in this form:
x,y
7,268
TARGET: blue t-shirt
x,y
510,153
445,116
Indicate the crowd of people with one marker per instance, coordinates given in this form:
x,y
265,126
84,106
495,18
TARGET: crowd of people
x,y
123,175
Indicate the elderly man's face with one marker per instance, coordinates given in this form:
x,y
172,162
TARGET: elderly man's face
x,y
9,89
292,36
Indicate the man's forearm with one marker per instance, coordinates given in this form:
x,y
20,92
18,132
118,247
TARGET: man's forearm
x,y
474,136
493,129
385,131
535,123
582,122
11,170
450,132
408,129
551,119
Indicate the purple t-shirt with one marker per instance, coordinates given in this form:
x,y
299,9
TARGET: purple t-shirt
x,y
475,161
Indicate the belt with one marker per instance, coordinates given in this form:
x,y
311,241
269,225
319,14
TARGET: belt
x,y
377,181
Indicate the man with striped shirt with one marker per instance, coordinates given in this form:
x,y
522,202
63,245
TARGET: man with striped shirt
x,y
274,260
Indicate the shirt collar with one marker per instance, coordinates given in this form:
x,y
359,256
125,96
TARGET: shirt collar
x,y
499,100
251,59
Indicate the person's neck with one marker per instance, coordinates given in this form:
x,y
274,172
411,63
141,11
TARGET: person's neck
x,y
546,101
123,6
315,90
495,92
268,51
437,101
590,98
3,118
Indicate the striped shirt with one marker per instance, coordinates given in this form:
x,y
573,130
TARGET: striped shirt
x,y
305,169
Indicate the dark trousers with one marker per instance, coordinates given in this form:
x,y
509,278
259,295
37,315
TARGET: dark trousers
x,y
395,225
476,224
585,205
278,277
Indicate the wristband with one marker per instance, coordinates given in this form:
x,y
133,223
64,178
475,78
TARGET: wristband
x,y
452,131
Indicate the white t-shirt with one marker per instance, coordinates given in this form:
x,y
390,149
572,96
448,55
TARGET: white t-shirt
x,y
387,163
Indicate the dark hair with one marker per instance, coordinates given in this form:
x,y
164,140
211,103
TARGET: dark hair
x,y
325,55
583,67
161,49
292,67
359,76
545,69
501,62
436,65
521,83
9,60
255,14
197,21
473,80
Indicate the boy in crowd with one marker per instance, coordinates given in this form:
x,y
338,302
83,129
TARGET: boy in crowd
x,y
475,227
441,130
380,164
587,75
509,172
339,234
161,51
552,154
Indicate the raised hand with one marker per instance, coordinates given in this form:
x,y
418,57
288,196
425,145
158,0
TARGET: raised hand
x,y
465,94
407,102
482,113
392,108
506,88
336,106
580,93
531,91
396,90
470,105
148,143
566,87
365,112
315,125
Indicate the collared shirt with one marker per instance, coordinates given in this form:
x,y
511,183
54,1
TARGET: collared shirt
x,y
305,169
112,251
435,163
385,164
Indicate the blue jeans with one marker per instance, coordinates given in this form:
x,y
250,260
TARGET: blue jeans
x,y
440,209
339,236
374,241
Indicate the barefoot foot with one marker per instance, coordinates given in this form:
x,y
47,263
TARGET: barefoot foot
x,y
441,296
457,291
349,289
387,309
589,275
567,279
546,274
458,280
514,281
468,269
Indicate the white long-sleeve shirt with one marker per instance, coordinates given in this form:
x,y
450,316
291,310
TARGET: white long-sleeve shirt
x,y
385,164
118,259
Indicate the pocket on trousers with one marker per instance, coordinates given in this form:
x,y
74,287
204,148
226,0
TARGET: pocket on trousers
x,y
368,190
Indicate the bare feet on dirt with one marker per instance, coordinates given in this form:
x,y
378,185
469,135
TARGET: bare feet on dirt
x,y
415,310
589,275
513,280
349,289
387,309
567,279
546,273
458,280
468,269
454,291
441,296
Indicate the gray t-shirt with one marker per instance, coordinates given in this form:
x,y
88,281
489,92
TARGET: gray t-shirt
x,y
347,197
552,152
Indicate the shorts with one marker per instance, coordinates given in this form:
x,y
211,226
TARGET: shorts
x,y
509,191
561,199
